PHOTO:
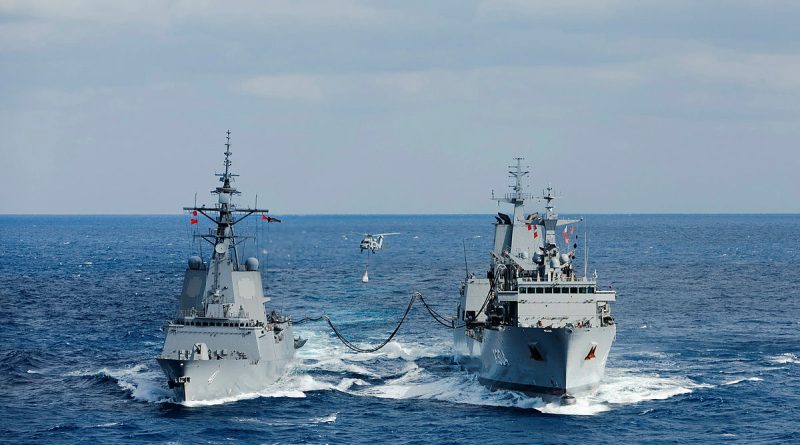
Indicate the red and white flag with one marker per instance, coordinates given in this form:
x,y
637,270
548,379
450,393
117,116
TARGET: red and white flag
x,y
564,234
193,221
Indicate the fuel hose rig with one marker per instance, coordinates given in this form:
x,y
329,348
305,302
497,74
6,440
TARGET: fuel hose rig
x,y
416,295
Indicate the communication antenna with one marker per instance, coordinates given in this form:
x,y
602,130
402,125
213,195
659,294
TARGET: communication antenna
x,y
585,248
466,267
258,250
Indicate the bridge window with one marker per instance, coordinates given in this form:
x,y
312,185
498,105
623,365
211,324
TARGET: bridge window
x,y
523,290
548,290
591,290
582,290
539,290
573,290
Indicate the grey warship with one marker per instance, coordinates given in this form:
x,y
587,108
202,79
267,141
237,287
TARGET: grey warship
x,y
223,343
533,324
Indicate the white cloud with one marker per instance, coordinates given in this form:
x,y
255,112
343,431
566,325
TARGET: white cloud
x,y
593,9
426,84
759,71
37,23
160,11
302,87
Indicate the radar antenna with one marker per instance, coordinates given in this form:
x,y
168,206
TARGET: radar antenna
x,y
517,197
517,174
227,151
547,195
227,178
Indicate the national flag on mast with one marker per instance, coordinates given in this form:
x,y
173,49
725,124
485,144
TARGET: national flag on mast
x,y
564,234
193,221
269,219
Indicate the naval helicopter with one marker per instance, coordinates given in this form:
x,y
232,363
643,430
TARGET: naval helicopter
x,y
372,243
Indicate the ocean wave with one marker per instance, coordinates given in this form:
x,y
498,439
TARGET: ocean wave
x,y
290,386
327,419
744,379
785,358
628,386
621,387
139,381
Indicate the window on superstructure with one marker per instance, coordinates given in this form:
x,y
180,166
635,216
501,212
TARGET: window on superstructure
x,y
556,290
539,290
548,290
582,290
591,290
573,290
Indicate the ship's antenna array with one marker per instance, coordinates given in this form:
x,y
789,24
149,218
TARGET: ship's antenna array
x,y
227,151
466,266
585,249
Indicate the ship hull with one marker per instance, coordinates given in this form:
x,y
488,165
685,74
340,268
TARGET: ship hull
x,y
539,361
216,373
209,380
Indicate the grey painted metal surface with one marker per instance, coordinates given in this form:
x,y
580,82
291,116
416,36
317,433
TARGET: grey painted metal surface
x,y
533,324
223,343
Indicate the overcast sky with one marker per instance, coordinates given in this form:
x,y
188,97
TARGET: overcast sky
x,y
344,106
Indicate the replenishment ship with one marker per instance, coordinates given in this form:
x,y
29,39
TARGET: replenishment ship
x,y
533,323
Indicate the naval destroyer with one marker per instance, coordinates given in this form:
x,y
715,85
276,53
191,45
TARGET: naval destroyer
x,y
223,342
533,324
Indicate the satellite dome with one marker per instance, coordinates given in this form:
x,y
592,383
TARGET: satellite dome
x,y
251,264
195,263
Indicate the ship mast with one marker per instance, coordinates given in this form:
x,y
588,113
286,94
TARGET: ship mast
x,y
517,196
224,239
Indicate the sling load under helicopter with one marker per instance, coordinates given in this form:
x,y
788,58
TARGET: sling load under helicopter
x,y
372,243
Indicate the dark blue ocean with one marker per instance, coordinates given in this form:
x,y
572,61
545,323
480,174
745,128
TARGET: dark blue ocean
x,y
707,350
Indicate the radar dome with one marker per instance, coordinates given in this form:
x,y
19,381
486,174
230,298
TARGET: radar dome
x,y
251,264
195,263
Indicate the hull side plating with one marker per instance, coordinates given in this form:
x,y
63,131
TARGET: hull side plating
x,y
536,360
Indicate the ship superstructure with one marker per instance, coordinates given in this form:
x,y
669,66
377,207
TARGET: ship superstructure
x,y
534,324
223,343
